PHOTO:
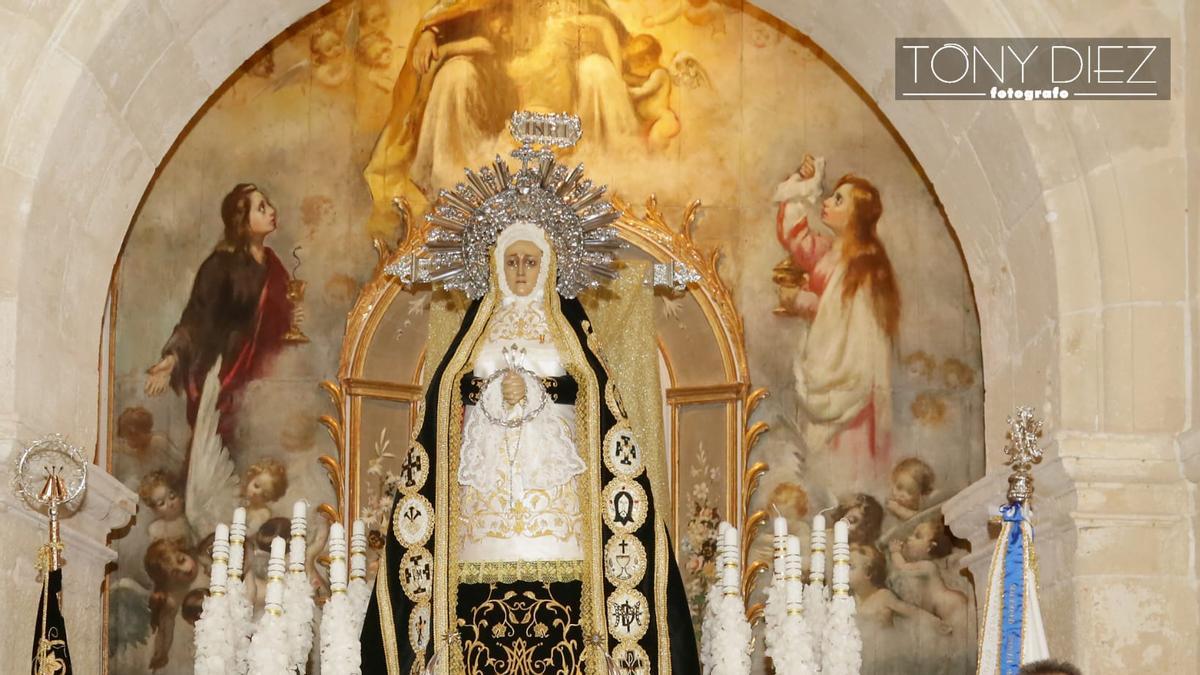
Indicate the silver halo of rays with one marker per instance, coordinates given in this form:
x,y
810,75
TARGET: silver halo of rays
x,y
571,209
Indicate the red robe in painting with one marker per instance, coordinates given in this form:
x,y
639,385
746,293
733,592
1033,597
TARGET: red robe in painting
x,y
238,310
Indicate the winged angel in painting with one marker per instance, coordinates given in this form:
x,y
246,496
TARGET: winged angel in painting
x,y
176,566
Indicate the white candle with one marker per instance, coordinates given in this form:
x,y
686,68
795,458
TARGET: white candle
x,y
297,550
779,547
237,543
275,569
358,552
779,568
359,535
841,558
781,526
817,556
277,548
337,558
220,556
794,583
793,545
221,540
730,542
731,580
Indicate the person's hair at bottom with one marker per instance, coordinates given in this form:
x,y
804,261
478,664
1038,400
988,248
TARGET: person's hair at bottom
x,y
1049,667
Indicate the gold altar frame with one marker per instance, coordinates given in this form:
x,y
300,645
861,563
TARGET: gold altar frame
x,y
650,233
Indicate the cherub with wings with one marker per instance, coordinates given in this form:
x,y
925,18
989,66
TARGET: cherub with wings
x,y
687,71
174,567
330,54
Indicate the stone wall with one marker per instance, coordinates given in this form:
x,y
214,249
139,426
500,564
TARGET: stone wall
x,y
1073,218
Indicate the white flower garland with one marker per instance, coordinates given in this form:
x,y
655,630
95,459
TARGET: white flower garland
x,y
842,654
213,656
730,646
340,626
269,647
298,613
789,642
774,615
238,626
815,617
360,596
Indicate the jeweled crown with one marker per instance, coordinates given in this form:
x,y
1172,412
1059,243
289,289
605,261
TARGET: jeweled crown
x,y
574,213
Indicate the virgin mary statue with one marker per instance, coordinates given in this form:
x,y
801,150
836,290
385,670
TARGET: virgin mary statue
x,y
525,538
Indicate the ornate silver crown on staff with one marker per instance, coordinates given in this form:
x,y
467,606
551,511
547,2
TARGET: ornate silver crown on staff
x,y
574,213
1023,452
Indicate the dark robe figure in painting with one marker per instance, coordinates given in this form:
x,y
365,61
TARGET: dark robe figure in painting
x,y
238,310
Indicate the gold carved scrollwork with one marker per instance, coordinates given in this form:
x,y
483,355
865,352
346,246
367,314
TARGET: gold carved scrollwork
x,y
652,233
334,466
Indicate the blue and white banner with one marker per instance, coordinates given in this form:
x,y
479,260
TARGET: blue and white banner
x,y
1012,632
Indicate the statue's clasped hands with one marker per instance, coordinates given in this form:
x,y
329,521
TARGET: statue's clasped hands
x,y
513,390
512,387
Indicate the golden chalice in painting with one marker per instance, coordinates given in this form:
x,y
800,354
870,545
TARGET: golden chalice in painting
x,y
295,295
787,276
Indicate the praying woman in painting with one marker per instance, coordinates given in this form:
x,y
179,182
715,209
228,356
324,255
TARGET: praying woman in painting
x,y
238,310
852,302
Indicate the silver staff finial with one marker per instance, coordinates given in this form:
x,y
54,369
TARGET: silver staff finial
x,y
1023,452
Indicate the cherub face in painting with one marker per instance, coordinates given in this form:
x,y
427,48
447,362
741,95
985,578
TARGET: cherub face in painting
x,y
260,489
165,502
138,439
837,208
854,517
376,50
642,55
327,46
374,18
906,491
261,220
180,566
919,544
522,263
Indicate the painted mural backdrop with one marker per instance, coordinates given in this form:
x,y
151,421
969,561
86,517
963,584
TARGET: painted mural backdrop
x,y
253,241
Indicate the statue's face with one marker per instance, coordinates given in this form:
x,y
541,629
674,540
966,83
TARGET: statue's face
x,y
522,263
